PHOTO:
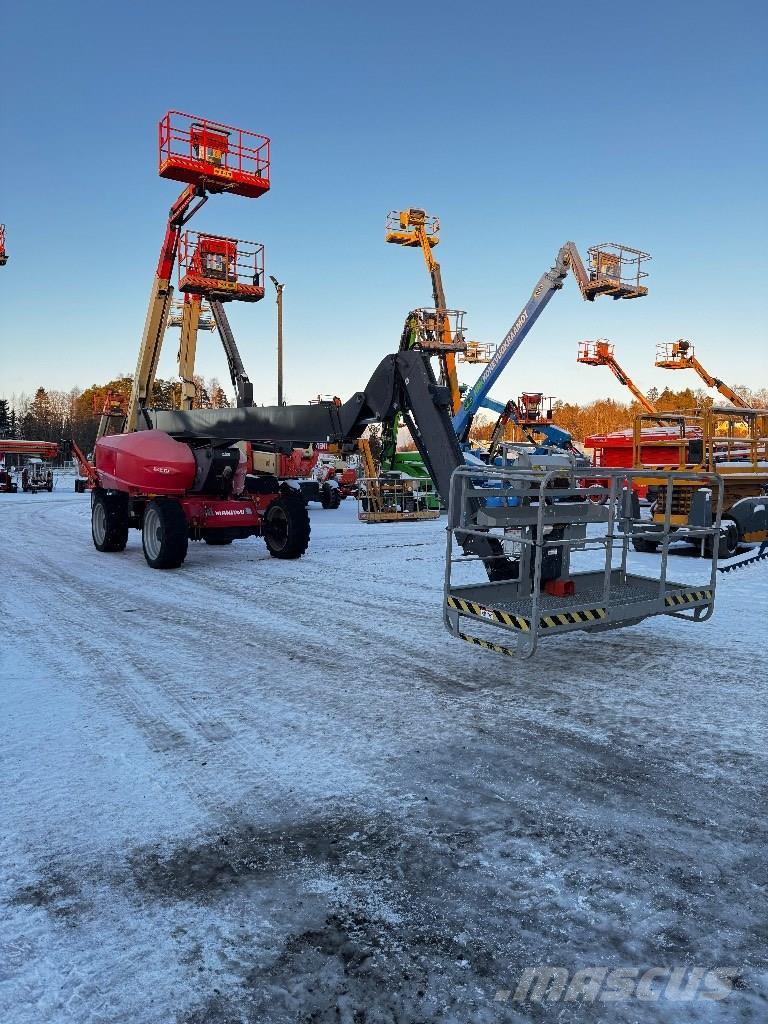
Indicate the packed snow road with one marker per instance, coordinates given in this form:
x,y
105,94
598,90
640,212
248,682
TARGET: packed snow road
x,y
261,791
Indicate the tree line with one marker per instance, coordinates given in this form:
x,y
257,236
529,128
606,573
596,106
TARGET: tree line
x,y
604,415
51,415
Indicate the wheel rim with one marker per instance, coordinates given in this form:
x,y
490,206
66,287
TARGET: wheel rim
x,y
152,533
277,528
99,523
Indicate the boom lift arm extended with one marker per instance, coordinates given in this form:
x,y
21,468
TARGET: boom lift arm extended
x,y
512,412
240,379
600,353
679,355
161,294
416,228
403,384
606,276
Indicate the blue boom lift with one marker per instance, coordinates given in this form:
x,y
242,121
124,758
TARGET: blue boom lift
x,y
613,269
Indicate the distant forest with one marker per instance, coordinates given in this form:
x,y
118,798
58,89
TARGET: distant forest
x,y
51,415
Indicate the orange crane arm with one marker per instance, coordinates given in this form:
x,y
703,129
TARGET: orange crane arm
x,y
719,385
623,378
447,359
87,469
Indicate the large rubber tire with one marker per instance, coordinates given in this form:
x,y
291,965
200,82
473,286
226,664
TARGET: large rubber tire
x,y
109,520
286,527
164,534
645,547
330,497
729,538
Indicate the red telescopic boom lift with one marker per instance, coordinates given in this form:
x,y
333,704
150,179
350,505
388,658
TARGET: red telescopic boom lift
x,y
211,158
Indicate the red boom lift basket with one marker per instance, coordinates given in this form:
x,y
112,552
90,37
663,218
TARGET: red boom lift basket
x,y
194,150
221,268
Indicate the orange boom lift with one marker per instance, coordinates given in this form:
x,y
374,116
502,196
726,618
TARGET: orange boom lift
x,y
600,353
679,355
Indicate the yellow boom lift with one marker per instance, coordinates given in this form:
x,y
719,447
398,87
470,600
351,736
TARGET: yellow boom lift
x,y
416,228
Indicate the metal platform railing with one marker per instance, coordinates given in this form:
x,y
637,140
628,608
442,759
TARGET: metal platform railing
x,y
561,561
391,499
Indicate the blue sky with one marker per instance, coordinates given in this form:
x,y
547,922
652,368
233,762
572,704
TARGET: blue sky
x,y
519,125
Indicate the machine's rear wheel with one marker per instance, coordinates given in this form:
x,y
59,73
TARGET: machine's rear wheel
x,y
109,520
286,527
164,534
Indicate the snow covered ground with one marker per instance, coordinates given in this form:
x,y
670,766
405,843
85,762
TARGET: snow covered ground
x,y
262,791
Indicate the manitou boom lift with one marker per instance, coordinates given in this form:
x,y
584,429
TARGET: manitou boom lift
x,y
3,253
600,353
212,158
679,355
613,269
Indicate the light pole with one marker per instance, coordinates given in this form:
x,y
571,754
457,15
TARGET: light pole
x,y
279,300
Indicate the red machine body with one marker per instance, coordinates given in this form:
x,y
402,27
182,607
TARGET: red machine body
x,y
616,450
199,151
145,462
174,493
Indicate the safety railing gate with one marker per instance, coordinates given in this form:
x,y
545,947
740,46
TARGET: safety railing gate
x,y
554,558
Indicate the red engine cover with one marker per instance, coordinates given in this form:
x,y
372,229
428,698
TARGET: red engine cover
x,y
145,462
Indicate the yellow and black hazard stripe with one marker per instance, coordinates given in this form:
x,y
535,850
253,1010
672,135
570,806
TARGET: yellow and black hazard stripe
x,y
687,597
489,614
487,645
572,618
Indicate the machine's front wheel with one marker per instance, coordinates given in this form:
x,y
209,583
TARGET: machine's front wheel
x,y
164,534
286,527
109,520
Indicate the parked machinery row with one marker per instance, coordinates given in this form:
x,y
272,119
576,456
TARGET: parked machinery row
x,y
180,475
33,472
